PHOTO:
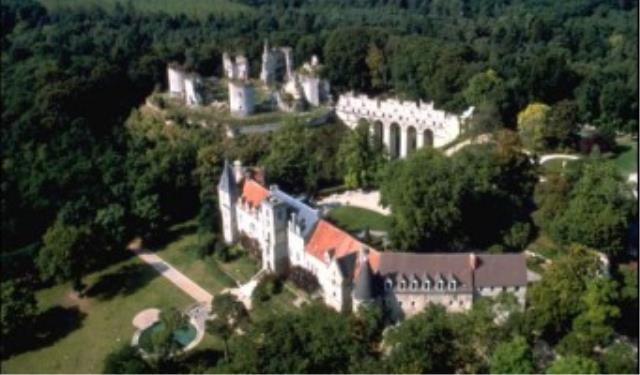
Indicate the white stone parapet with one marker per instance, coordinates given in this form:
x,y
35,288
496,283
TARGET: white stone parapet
x,y
420,124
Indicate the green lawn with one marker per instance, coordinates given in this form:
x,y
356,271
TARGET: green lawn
x,y
627,159
77,339
197,8
356,219
205,273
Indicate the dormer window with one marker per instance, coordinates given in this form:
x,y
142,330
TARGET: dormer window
x,y
403,284
440,284
453,284
427,284
415,284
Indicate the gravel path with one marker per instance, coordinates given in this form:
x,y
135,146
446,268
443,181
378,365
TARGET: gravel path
x,y
176,277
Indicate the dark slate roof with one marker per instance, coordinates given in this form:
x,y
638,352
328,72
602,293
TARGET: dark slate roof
x,y
227,180
501,270
347,265
432,265
306,216
363,290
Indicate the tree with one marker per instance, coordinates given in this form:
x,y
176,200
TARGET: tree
x,y
423,192
620,358
422,343
512,357
19,307
485,87
360,158
555,301
598,211
531,125
561,128
64,253
163,340
125,360
230,314
291,161
573,364
208,172
375,61
594,325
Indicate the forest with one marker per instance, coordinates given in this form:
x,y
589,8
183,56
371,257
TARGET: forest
x,y
84,172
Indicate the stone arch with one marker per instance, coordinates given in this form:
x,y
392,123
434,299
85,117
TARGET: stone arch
x,y
394,140
412,139
427,138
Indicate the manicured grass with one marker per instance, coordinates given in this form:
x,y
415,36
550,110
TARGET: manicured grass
x,y
356,219
197,8
241,268
627,160
77,339
277,304
205,272
555,165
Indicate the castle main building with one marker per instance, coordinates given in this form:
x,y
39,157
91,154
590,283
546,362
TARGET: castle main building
x,y
350,273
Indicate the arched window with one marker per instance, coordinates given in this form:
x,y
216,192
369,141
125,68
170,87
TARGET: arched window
x,y
427,284
440,284
415,284
403,284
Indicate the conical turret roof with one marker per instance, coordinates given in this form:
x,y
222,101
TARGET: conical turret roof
x,y
363,289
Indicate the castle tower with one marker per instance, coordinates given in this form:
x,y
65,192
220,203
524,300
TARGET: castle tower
x,y
241,98
267,71
227,196
311,88
193,90
363,287
275,255
288,61
175,79
242,67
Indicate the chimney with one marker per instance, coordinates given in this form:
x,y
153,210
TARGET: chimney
x,y
237,170
473,261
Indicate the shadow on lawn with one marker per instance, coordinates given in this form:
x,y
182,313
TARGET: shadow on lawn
x,y
124,281
49,327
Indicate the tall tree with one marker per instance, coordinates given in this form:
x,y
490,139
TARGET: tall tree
x,y
230,314
512,357
64,253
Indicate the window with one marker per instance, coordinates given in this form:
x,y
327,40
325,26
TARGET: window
x,y
453,284
516,288
413,303
403,284
504,288
427,284
440,284
388,284
414,284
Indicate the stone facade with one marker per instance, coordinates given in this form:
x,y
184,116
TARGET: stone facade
x,y
241,98
183,85
403,126
350,273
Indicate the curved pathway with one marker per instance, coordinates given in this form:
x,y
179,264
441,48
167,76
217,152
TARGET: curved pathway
x,y
548,157
357,198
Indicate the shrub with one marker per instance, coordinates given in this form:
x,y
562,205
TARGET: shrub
x,y
206,244
268,286
252,246
303,279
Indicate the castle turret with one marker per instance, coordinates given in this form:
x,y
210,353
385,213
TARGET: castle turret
x,y
227,196
193,90
363,286
267,71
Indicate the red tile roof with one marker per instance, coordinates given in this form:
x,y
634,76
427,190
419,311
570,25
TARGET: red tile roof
x,y
253,193
326,237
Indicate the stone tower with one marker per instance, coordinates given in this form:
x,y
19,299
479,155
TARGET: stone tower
x,y
267,71
227,196
175,79
241,98
363,286
275,256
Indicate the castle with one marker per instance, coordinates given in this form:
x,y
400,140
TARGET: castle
x,y
287,90
350,273
403,126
